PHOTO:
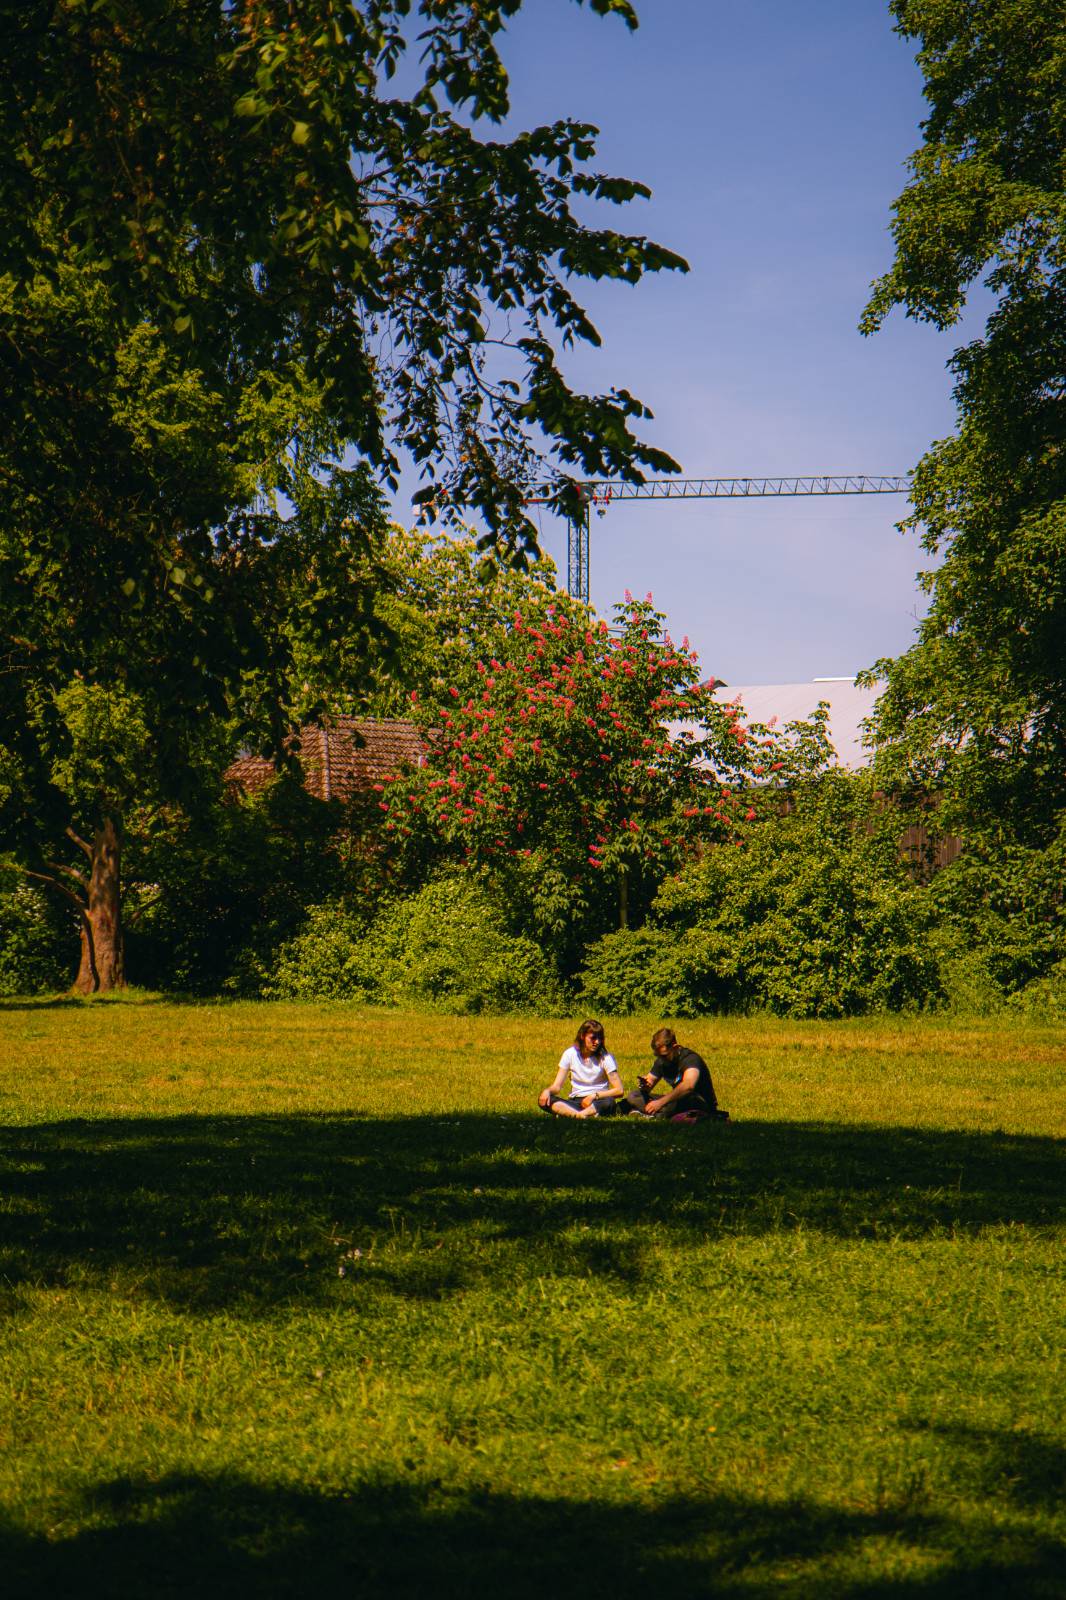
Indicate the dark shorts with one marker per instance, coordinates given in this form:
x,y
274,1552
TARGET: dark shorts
x,y
604,1108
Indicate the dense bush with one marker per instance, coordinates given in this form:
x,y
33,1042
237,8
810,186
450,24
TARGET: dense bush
x,y
810,913
633,970
1001,924
38,940
1045,997
327,959
445,947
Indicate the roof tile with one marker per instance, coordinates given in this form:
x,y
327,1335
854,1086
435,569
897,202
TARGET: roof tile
x,y
341,759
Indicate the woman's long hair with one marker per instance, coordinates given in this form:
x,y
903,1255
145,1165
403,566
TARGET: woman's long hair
x,y
596,1028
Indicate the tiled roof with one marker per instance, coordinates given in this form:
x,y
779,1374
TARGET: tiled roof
x,y
340,760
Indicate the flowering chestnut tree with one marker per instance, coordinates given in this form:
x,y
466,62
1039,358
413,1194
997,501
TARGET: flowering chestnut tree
x,y
579,765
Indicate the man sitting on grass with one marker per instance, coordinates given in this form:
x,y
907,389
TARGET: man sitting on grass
x,y
690,1088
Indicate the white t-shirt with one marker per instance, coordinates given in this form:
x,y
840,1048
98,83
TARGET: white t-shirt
x,y
587,1077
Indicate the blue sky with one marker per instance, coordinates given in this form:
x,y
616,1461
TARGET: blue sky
x,y
773,136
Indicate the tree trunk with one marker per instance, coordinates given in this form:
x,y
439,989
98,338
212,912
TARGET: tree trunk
x,y
103,965
623,899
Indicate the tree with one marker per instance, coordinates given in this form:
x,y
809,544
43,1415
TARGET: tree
x,y
245,179
230,258
148,626
976,709
447,609
554,771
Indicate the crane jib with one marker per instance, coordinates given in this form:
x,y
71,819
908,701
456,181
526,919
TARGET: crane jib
x,y
601,494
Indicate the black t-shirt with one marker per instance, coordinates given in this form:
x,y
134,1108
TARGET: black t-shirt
x,y
671,1072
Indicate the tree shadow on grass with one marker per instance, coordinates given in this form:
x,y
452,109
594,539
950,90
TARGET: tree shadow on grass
x,y
64,1002
129,999
1025,1468
229,1536
257,1211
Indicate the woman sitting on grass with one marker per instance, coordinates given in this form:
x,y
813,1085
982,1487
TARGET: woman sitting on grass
x,y
595,1087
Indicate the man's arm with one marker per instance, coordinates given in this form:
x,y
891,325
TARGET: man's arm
x,y
686,1084
645,1084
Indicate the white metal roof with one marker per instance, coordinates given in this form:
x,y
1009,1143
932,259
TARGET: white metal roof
x,y
779,703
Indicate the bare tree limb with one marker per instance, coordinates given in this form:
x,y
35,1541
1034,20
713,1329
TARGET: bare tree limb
x,y
68,894
71,872
134,916
81,844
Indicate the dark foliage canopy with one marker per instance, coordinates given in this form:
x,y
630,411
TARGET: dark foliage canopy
x,y
978,705
246,177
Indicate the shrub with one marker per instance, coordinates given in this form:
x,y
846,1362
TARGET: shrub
x,y
38,941
445,947
811,914
966,985
1044,998
327,960
1003,921
633,970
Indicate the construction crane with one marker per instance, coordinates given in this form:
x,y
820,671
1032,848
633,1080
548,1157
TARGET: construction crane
x,y
599,495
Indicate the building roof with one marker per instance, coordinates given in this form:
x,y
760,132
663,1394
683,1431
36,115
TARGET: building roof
x,y
340,760
849,705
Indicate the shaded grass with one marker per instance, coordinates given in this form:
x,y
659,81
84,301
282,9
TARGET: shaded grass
x,y
305,1297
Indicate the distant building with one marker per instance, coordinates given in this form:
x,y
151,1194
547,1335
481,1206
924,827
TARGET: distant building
x,y
849,706
341,759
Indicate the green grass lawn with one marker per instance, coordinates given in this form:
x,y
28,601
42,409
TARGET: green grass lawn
x,y
308,1300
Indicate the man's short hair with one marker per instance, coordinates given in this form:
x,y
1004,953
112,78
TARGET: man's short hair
x,y
665,1039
